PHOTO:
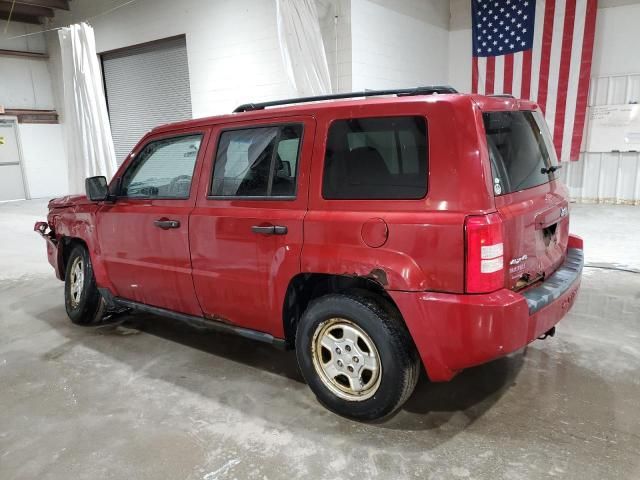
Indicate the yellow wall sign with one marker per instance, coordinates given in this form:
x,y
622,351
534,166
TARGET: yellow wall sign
x,y
1,140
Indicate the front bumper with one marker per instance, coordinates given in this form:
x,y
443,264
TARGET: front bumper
x,y
53,252
453,332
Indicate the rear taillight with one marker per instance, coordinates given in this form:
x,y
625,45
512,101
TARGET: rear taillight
x,y
485,260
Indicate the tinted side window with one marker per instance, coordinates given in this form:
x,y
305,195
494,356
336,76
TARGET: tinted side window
x,y
257,162
163,169
376,159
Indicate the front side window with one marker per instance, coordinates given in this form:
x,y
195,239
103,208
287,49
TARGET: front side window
x,y
520,150
163,169
257,162
376,159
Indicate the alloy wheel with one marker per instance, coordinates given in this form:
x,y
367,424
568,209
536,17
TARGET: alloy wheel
x,y
346,359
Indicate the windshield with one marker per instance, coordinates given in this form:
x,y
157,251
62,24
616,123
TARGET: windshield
x,y
520,150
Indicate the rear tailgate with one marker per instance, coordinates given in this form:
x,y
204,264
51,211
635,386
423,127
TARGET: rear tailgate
x,y
532,203
536,233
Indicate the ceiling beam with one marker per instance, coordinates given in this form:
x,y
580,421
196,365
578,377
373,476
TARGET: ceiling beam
x,y
20,53
19,17
29,10
33,116
59,4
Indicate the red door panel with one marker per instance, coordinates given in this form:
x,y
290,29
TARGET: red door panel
x,y
241,276
240,272
146,263
145,241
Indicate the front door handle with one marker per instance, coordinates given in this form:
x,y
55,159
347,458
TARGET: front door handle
x,y
270,229
166,224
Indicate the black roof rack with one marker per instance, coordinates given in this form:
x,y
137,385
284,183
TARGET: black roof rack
x,y
502,95
247,107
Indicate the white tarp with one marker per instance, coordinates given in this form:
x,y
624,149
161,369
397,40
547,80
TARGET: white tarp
x,y
302,48
90,148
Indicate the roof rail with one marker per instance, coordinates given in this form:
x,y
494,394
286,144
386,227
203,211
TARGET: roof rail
x,y
502,95
247,107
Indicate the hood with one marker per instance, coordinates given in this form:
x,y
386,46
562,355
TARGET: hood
x,y
67,201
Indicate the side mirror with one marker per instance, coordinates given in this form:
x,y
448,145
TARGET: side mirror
x,y
96,188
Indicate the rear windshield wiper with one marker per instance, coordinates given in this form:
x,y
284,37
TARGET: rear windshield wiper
x,y
550,169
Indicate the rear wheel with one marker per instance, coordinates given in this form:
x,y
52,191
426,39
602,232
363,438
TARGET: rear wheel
x,y
83,301
357,357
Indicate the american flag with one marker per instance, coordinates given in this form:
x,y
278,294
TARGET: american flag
x,y
538,50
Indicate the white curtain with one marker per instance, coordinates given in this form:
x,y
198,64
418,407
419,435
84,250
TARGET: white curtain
x,y
302,48
87,130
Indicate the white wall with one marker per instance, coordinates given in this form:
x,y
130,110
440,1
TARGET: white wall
x,y
335,26
44,160
26,83
459,74
401,43
617,40
233,49
232,45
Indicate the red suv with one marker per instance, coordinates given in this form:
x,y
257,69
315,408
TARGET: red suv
x,y
373,232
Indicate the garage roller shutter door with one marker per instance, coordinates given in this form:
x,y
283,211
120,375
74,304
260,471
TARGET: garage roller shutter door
x,y
146,86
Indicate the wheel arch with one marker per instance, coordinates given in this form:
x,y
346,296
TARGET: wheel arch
x,y
67,245
305,287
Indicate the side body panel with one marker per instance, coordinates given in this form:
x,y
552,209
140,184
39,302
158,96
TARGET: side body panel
x,y
143,262
241,277
425,245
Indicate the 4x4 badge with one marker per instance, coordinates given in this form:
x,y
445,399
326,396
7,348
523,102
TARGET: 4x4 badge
x,y
564,211
516,261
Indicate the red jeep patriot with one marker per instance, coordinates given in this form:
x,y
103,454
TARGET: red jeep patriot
x,y
373,232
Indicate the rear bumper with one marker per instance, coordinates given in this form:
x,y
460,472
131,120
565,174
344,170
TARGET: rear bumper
x,y
453,332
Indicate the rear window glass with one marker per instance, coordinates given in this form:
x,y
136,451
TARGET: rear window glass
x,y
376,159
520,150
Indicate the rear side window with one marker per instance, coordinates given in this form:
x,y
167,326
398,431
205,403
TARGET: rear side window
x,y
520,150
376,159
257,162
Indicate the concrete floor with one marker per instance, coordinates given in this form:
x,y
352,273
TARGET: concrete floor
x,y
166,401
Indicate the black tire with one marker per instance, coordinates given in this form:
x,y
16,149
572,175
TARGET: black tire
x,y
88,307
400,365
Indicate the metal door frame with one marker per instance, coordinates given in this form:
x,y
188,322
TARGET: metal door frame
x,y
20,163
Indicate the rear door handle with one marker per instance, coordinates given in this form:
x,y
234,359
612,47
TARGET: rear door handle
x,y
166,224
270,229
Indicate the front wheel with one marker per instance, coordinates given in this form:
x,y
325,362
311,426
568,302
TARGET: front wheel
x,y
357,357
83,301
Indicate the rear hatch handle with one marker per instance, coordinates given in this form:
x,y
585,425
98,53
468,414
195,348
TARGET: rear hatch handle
x,y
551,216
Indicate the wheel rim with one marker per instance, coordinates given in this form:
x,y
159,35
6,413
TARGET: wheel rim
x,y
346,359
77,281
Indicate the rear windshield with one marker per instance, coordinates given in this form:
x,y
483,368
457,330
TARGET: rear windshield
x,y
520,150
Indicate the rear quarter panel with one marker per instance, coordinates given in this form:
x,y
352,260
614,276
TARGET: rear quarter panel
x,y
425,245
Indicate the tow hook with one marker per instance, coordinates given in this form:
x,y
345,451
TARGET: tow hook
x,y
549,333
